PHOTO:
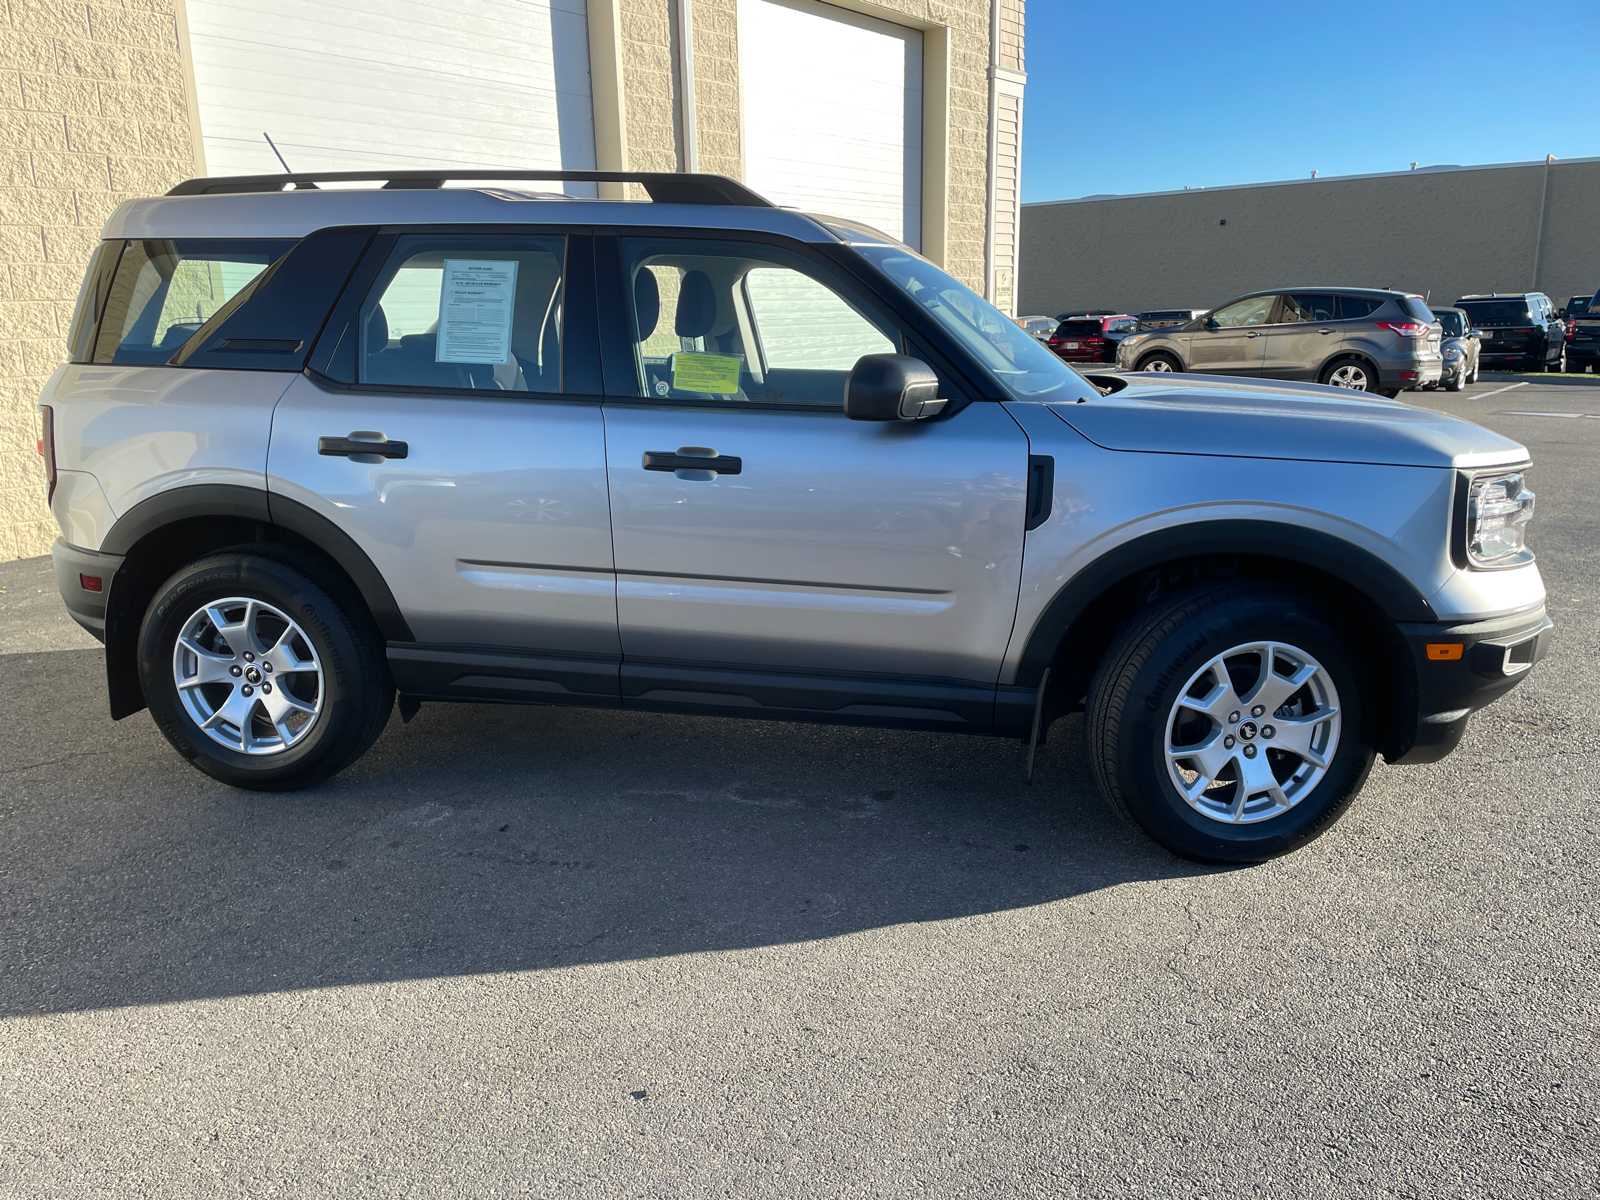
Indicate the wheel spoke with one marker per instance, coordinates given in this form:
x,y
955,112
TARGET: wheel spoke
x,y
1273,690
283,658
210,667
236,712
1219,702
280,706
1297,734
1207,760
1255,777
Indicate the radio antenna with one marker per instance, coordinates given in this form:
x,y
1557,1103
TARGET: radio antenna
x,y
278,152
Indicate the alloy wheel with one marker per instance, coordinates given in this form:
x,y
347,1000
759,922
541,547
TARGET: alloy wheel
x,y
1351,376
1252,733
248,676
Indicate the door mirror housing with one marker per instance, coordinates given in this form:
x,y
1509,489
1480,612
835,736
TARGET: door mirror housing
x,y
891,387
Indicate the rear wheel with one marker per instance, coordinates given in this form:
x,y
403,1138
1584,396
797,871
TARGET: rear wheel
x,y
1159,362
1560,364
1352,373
260,676
1229,723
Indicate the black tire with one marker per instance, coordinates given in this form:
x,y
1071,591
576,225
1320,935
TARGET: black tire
x,y
1168,361
1388,393
1459,383
1350,361
354,686
1138,684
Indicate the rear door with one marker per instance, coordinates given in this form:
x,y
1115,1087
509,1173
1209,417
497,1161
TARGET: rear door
x,y
1303,337
468,362
816,565
1231,342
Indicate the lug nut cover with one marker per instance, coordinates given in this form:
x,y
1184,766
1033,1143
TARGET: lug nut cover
x,y
1267,731
1249,751
1254,712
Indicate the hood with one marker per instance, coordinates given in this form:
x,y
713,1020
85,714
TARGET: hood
x,y
1193,414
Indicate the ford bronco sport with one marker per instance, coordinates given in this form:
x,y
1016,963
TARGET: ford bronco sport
x,y
319,447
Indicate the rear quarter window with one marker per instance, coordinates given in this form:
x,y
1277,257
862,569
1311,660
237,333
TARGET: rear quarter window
x,y
1353,308
162,292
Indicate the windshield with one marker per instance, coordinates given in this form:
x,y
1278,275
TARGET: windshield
x,y
1021,365
1453,323
1497,312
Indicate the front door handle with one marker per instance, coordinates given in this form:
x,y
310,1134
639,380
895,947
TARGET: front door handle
x,y
1324,331
362,446
1252,333
670,460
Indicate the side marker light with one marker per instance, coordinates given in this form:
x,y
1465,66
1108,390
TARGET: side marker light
x,y
1445,651
90,583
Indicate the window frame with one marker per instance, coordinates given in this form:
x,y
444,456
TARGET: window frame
x,y
334,362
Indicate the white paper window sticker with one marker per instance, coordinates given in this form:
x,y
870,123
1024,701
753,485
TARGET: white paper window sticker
x,y
476,304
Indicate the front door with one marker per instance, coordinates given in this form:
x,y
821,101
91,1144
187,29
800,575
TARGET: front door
x,y
483,500
1230,343
815,564
1305,335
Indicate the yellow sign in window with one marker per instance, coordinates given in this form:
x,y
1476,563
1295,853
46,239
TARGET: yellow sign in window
x,y
714,373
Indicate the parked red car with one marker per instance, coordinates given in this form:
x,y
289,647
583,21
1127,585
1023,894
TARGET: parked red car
x,y
1091,339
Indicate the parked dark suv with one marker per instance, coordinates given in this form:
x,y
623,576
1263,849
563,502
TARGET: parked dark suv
x,y
1520,331
1091,339
1583,338
1364,339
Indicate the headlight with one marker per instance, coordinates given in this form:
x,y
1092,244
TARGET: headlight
x,y
1135,339
1499,508
1451,353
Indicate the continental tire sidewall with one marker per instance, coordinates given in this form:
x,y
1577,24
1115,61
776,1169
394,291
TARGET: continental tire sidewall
x,y
348,696
1147,790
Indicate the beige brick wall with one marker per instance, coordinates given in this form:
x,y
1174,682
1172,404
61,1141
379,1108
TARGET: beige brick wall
x,y
93,109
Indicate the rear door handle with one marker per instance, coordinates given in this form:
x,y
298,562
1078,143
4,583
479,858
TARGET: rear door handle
x,y
1252,333
1041,490
361,445
669,460
1324,331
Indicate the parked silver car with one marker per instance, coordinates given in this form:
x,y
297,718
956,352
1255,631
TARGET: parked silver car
x,y
320,447
1460,349
1358,338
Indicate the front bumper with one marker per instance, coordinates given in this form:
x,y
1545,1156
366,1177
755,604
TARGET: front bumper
x,y
1493,657
75,568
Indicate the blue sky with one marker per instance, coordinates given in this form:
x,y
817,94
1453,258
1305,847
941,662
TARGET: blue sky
x,y
1163,94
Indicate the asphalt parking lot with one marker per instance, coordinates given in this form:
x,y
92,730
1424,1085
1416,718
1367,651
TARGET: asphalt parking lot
x,y
537,952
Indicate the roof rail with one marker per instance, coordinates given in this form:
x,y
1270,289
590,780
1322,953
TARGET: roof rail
x,y
663,187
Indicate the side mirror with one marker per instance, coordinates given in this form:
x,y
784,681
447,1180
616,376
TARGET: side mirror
x,y
1475,333
891,387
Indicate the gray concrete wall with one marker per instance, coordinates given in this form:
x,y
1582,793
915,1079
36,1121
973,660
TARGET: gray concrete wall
x,y
1441,232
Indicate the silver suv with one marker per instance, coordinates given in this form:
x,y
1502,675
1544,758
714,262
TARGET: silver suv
x,y
1357,338
321,447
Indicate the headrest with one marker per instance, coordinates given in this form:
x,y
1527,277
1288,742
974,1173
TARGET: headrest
x,y
646,301
377,330
697,305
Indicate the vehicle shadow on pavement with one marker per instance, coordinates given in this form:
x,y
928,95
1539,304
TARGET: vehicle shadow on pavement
x,y
486,839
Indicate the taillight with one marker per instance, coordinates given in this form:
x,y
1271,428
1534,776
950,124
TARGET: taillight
x,y
47,447
1406,328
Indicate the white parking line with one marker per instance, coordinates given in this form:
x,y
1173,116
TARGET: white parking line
x,y
1505,412
1497,391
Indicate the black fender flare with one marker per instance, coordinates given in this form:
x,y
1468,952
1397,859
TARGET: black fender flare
x,y
258,505
1391,591
248,511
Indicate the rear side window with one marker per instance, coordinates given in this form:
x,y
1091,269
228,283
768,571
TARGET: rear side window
x,y
482,313
163,291
1309,306
1353,308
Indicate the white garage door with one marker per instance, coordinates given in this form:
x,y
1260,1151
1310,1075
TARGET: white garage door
x,y
833,112
392,83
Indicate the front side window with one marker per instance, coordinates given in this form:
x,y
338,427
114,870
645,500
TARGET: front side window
x,y
477,312
1023,367
735,321
164,291
1257,310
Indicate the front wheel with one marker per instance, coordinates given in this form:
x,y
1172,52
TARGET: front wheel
x,y
1229,723
260,676
1160,362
